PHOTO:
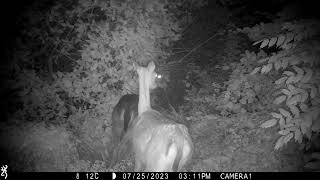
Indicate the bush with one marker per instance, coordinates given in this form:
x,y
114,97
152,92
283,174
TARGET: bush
x,y
74,59
296,68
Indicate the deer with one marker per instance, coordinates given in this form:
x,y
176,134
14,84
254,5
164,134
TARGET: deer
x,y
124,112
158,143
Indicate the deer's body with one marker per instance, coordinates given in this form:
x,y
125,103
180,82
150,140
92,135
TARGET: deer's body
x,y
124,112
159,144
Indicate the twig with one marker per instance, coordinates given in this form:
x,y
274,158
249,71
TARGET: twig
x,y
196,47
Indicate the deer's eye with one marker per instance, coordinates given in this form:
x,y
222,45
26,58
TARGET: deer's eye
x,y
159,76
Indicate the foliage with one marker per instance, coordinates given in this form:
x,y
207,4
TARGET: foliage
x,y
74,59
312,158
86,166
85,50
245,92
284,35
313,162
292,34
41,101
297,79
37,147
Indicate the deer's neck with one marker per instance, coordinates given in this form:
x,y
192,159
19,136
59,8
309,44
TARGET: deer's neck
x,y
144,94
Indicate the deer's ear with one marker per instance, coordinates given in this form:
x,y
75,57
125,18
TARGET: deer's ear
x,y
151,66
135,66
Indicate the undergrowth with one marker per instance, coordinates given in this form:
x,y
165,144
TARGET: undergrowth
x,y
282,84
73,61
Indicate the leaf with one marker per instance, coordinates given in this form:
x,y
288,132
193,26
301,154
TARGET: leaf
x,y
269,123
297,78
288,45
292,89
272,41
273,58
266,68
281,80
288,73
298,70
290,80
263,60
284,63
282,123
257,69
276,115
294,60
307,76
287,138
306,86
303,107
307,121
304,96
313,92
279,143
284,113
289,37
257,42
264,43
279,99
281,39
294,110
94,66
290,126
298,135
308,133
294,100
277,65
286,92
284,132
243,101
